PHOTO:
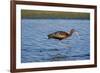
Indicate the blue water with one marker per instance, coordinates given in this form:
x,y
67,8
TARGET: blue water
x,y
36,47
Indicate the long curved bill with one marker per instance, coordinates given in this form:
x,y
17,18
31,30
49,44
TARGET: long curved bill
x,y
77,33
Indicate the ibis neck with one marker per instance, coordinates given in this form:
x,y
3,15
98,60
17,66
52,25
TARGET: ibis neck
x,y
71,32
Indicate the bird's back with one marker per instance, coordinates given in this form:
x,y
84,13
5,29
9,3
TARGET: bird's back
x,y
59,35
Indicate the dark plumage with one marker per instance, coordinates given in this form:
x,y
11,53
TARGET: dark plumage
x,y
61,34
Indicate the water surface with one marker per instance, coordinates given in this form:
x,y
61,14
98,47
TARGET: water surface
x,y
36,47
